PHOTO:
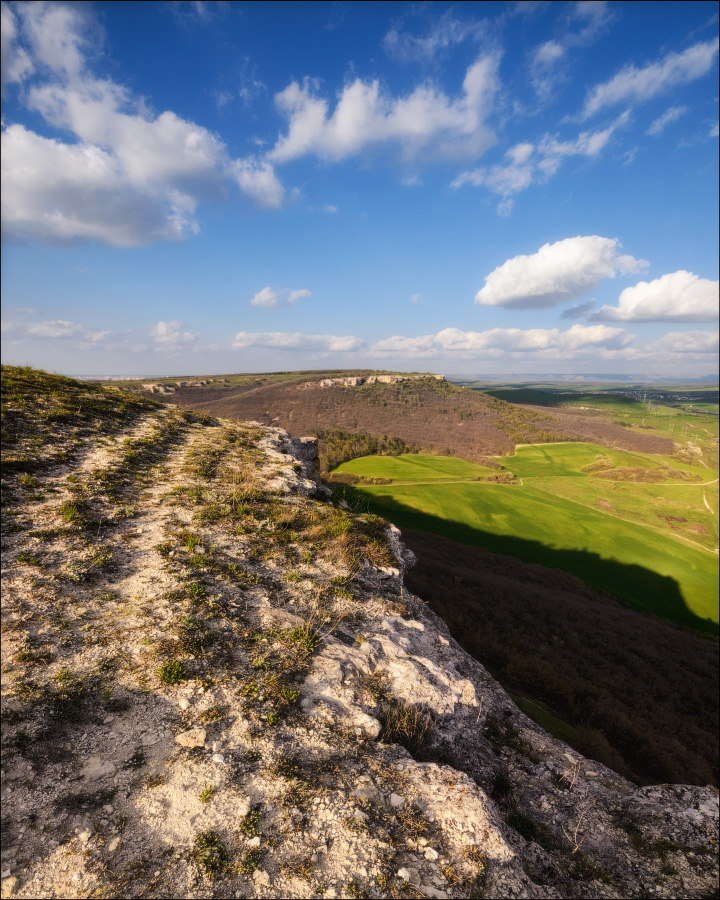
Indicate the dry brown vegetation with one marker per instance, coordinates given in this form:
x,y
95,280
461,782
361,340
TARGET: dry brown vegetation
x,y
435,415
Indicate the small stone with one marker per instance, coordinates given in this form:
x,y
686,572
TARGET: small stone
x,y
431,854
261,878
396,800
9,886
368,793
410,875
114,844
184,703
194,737
108,808
432,892
218,758
96,768
254,842
85,835
217,746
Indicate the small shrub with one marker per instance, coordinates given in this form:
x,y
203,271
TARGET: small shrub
x,y
250,861
305,636
249,822
209,854
406,725
153,781
172,672
206,793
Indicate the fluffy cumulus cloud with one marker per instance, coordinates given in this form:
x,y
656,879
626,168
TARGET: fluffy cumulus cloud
x,y
267,298
676,297
170,336
637,85
128,177
558,273
424,121
527,163
284,340
687,342
452,342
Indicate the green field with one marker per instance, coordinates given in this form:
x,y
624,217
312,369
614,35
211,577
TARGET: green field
x,y
650,545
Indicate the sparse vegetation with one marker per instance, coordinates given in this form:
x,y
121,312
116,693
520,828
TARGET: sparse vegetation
x,y
210,854
173,672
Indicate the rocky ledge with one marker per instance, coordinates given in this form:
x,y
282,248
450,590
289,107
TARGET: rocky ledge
x,y
216,684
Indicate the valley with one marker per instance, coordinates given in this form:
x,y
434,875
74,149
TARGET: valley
x,y
614,534
571,547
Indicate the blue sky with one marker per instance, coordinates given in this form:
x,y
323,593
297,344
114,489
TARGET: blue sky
x,y
480,188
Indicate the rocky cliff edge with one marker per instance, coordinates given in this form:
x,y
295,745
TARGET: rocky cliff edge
x,y
216,684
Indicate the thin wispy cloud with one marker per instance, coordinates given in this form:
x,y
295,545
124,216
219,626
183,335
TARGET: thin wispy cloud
x,y
670,115
442,35
526,163
634,84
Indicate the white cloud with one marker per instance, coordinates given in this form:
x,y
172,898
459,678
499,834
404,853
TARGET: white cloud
x,y
258,179
298,295
330,208
15,60
500,341
365,116
415,298
283,340
670,115
682,342
676,297
557,273
169,336
60,193
632,84
54,330
267,298
585,22
445,32
587,143
525,163
128,177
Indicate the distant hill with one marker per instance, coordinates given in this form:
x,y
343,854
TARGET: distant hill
x,y
423,411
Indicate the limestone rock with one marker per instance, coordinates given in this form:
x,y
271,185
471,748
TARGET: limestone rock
x,y
194,737
96,768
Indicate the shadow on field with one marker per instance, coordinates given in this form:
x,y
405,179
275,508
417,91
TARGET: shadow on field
x,y
633,585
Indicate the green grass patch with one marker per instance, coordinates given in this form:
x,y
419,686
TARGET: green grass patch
x,y
628,550
415,467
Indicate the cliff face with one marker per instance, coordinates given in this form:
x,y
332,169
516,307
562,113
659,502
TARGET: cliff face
x,y
216,684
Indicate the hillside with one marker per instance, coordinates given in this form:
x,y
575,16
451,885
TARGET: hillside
x,y
215,683
422,411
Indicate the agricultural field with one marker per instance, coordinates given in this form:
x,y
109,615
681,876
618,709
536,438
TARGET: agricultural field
x,y
640,527
688,417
